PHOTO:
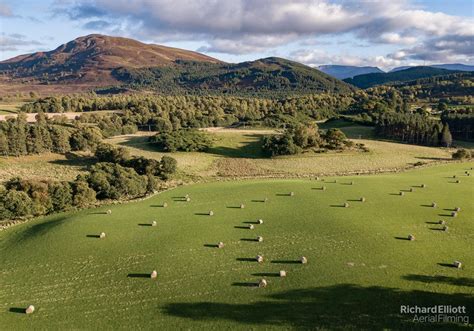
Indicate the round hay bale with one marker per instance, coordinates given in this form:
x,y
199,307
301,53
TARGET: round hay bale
x,y
242,206
411,189
259,258
282,273
457,264
303,260
423,185
30,309
401,193
445,228
335,180
109,211
220,244
411,237
153,223
211,213
351,182
251,227
362,199
346,204
292,194
186,196
102,235
265,200
153,274
454,214
260,221
434,205
454,176
458,181
259,239
188,199
164,205
323,188
458,209
262,283
317,178
441,222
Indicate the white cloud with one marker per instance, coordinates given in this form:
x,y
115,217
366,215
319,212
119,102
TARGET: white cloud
x,y
252,26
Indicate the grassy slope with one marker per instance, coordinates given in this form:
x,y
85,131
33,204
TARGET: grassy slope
x,y
238,153
358,273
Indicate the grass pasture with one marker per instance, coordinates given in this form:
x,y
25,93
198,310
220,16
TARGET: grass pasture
x,y
360,267
237,153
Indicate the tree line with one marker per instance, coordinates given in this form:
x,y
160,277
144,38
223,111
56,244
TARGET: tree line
x,y
413,129
116,175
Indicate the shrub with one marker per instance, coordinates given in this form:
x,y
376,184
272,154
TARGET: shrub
x,y
15,204
186,140
461,154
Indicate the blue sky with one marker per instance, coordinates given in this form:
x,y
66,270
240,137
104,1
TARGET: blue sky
x,y
315,32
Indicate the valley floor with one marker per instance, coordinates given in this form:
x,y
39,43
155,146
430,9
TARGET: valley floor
x,y
361,267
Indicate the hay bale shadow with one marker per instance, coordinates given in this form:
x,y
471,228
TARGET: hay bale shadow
x,y
233,207
340,206
394,193
251,222
267,274
202,214
428,206
93,236
138,275
432,222
246,259
98,213
145,224
445,215
17,310
286,261
245,284
157,206
318,188
447,265
436,229
211,245
249,239
241,227
402,238
257,200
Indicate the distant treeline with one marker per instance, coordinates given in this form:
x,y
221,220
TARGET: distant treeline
x,y
413,129
165,113
17,137
460,124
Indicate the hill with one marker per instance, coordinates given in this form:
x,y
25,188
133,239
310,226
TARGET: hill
x,y
369,80
342,72
98,61
448,66
269,76
90,59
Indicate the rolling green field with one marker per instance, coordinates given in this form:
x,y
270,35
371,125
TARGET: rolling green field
x,y
360,266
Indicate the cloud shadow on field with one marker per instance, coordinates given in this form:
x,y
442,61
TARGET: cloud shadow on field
x,y
457,281
337,307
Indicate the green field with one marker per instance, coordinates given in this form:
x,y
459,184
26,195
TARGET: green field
x,y
360,267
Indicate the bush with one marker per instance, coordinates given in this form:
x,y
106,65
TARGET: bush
x,y
186,140
461,154
168,166
112,181
14,204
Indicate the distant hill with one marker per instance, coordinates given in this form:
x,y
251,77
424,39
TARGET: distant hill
x,y
451,66
91,59
369,80
116,63
342,72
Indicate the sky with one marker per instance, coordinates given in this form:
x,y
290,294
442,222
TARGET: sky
x,y
383,33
